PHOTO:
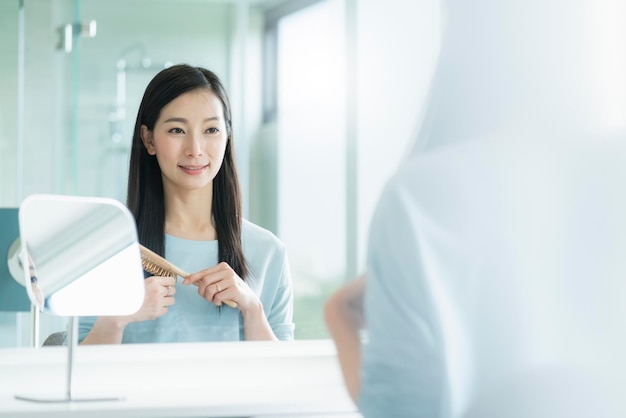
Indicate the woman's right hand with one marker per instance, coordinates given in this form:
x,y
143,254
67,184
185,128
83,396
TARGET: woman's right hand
x,y
110,329
159,295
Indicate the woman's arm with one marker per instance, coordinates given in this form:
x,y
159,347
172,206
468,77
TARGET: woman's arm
x,y
107,330
343,313
278,321
255,324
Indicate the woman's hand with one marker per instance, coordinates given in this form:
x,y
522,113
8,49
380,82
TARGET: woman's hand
x,y
159,295
220,283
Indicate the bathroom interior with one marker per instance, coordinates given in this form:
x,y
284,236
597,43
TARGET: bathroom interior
x,y
306,79
327,96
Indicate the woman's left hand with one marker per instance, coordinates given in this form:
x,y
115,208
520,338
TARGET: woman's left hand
x,y
220,283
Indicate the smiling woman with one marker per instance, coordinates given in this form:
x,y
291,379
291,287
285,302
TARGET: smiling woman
x,y
184,193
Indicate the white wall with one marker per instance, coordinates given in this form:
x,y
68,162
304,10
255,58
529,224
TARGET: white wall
x,y
8,100
397,45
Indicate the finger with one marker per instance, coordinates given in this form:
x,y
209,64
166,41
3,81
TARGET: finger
x,y
202,275
193,278
199,276
169,301
169,291
163,280
153,288
152,279
167,280
208,291
225,296
212,290
208,284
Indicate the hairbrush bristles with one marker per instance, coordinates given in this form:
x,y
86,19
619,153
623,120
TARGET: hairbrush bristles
x,y
157,265
153,268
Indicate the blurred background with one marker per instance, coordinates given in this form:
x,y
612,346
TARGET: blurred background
x,y
326,97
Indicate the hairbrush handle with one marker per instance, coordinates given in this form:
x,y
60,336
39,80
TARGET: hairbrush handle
x,y
164,265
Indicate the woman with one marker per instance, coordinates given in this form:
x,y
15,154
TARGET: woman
x,y
496,251
184,192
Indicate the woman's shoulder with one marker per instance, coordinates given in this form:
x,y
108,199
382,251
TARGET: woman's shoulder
x,y
263,250
257,236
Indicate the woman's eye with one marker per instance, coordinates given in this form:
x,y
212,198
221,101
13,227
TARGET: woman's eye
x,y
176,131
212,130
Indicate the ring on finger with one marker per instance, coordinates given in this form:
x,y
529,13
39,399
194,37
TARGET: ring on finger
x,y
169,291
217,287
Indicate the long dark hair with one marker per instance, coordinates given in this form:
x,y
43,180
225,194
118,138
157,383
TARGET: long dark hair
x,y
145,186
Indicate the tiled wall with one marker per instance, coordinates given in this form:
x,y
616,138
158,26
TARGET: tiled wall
x,y
69,98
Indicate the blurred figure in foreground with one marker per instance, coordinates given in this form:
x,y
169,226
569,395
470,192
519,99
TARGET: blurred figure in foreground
x,y
496,272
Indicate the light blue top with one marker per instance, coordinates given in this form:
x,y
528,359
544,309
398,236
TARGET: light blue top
x,y
401,370
193,319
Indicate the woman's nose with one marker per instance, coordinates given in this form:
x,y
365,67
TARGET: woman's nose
x,y
194,145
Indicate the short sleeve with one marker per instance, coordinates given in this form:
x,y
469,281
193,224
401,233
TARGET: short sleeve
x,y
402,367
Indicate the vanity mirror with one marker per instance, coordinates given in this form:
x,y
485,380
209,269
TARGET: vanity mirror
x,y
83,259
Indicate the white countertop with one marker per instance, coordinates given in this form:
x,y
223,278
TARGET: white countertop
x,y
242,379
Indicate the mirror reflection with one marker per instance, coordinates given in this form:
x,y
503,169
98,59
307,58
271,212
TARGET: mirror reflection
x,y
322,117
82,256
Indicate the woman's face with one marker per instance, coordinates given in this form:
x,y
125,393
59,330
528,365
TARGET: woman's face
x,y
189,140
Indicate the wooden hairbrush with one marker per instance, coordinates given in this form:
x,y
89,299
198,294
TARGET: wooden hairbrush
x,y
157,265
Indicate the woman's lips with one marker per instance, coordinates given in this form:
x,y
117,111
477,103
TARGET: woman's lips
x,y
193,169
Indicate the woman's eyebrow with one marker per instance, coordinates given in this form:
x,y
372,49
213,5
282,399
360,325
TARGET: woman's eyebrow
x,y
183,120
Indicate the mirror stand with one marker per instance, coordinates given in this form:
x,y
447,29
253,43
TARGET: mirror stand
x,y
34,326
72,343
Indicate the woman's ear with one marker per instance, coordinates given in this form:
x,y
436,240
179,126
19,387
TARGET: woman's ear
x,y
148,140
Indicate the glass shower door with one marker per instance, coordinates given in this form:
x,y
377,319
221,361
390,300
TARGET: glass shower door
x,y
112,58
